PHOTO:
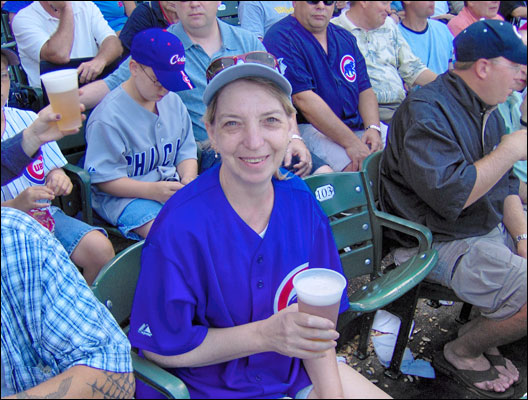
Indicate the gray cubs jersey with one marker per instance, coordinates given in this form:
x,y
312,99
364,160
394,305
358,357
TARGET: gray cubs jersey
x,y
126,140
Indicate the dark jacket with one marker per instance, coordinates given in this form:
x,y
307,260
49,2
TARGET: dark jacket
x,y
427,169
145,15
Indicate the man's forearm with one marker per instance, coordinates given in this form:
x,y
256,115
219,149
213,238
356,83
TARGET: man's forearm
x,y
93,93
368,108
321,116
80,382
110,49
514,218
58,47
425,77
490,169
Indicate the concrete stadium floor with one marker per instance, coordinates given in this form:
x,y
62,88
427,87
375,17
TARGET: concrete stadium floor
x,y
430,321
436,324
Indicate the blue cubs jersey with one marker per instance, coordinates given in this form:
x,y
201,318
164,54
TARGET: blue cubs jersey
x,y
337,77
204,267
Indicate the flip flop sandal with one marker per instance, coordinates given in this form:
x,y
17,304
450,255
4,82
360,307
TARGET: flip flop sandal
x,y
469,377
500,361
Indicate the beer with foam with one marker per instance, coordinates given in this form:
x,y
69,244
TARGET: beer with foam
x,y
63,93
319,292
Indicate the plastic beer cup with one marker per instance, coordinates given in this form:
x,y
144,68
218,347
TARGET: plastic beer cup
x,y
63,93
319,292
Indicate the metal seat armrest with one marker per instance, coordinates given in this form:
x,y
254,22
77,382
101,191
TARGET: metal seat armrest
x,y
81,196
418,231
164,382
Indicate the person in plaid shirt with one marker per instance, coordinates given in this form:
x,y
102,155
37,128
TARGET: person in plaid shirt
x,y
58,340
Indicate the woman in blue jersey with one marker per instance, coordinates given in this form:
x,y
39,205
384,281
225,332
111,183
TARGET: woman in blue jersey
x,y
213,303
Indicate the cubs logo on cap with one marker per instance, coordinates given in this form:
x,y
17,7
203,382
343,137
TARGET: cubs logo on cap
x,y
35,171
164,53
348,68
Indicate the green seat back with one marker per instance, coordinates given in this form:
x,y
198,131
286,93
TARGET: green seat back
x,y
115,287
343,199
116,283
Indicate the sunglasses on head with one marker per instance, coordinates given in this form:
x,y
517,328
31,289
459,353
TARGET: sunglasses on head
x,y
326,3
257,57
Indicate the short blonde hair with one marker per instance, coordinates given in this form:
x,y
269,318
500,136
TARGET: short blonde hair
x,y
270,87
266,84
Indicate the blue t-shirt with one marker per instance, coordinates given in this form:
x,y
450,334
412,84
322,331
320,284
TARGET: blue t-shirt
x,y
434,45
259,16
15,6
337,77
113,12
203,266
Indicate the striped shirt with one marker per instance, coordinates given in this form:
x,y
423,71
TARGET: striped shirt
x,y
35,173
51,321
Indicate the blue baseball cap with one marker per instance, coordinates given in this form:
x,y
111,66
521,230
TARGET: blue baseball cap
x,y
490,38
244,70
164,53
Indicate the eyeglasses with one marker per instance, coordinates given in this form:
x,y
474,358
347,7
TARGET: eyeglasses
x,y
257,57
154,81
326,3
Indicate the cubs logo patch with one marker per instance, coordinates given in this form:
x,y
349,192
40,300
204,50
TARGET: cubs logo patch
x,y
285,294
348,68
35,171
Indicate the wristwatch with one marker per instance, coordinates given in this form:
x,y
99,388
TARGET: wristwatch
x,y
376,127
521,237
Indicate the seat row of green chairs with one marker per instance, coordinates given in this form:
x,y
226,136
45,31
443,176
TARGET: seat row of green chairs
x,y
349,200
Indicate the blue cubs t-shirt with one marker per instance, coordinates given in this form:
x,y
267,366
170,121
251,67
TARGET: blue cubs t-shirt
x,y
203,267
337,77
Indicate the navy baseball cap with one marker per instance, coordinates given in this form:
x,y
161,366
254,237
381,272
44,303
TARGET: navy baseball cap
x,y
490,38
164,53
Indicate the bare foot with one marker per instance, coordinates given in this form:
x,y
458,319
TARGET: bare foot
x,y
481,363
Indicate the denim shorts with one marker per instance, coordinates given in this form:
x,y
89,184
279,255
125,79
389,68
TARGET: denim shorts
x,y
137,213
329,151
69,231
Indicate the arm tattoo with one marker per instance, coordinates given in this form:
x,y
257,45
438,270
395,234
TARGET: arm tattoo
x,y
111,386
61,392
114,385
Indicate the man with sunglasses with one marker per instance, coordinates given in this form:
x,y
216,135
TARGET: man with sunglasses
x,y
338,112
204,38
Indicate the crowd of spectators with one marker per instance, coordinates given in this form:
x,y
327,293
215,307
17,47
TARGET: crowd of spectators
x,y
440,87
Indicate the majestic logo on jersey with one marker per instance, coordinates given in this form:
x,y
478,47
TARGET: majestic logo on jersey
x,y
325,192
348,68
285,294
145,330
35,171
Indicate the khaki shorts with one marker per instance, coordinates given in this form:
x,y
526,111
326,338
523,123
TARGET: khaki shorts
x,y
329,151
483,271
